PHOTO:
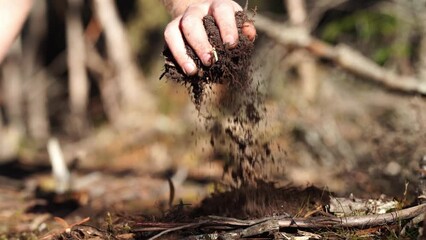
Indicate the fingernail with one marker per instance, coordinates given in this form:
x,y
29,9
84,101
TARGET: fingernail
x,y
229,40
207,59
189,68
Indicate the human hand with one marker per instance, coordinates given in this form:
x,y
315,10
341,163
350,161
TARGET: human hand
x,y
189,25
12,17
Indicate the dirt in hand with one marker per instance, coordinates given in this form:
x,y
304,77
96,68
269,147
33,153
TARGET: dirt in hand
x,y
230,65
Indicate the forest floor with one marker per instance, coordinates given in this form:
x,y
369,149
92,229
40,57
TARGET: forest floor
x,y
355,138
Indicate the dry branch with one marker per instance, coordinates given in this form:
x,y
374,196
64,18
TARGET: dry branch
x,y
108,87
344,56
245,228
296,11
12,86
355,221
306,67
421,66
186,226
34,76
422,179
319,9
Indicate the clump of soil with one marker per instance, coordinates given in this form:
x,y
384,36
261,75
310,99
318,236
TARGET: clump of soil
x,y
232,67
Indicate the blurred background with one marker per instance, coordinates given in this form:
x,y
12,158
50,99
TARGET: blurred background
x,y
344,84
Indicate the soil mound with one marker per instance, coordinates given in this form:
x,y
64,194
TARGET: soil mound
x,y
264,200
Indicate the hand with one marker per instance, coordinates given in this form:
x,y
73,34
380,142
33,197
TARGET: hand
x,y
190,26
12,17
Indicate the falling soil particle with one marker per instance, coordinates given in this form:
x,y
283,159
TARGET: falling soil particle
x,y
233,122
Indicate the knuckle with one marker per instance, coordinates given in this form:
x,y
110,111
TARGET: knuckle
x,y
194,7
222,6
187,21
169,30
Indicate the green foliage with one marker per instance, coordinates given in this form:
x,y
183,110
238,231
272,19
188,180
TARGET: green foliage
x,y
363,24
375,32
382,54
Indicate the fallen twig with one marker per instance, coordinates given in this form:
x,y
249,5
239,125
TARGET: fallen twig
x,y
246,228
186,226
354,221
66,227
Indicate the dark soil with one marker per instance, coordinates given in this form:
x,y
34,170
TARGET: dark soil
x,y
232,67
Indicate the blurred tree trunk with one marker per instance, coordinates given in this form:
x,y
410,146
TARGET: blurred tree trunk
x,y
13,87
76,57
34,75
422,58
1,121
11,132
134,95
414,12
107,84
306,68
296,11
318,8
421,19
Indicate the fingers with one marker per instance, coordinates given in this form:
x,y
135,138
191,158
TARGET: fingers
x,y
192,28
174,40
224,13
249,30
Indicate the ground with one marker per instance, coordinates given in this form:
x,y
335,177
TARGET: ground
x,y
356,137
